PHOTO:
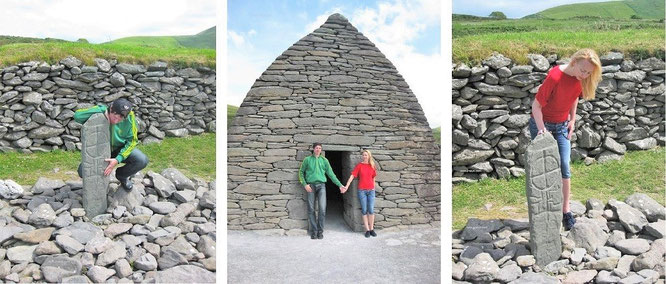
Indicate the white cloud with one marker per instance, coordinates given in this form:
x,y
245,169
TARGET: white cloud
x,y
100,21
235,38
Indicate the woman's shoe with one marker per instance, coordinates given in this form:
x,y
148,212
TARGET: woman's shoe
x,y
372,233
367,234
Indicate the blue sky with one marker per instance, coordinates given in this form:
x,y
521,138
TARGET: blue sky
x,y
102,21
407,32
510,8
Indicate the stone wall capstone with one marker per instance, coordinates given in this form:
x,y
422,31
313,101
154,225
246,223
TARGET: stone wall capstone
x,y
334,87
492,106
38,100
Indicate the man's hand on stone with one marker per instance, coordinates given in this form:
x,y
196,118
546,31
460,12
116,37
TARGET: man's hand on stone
x,y
308,188
112,163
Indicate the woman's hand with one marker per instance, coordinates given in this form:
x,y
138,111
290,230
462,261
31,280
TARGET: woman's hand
x,y
570,127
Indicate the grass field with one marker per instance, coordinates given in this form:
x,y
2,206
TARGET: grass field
x,y
53,52
645,9
231,113
562,30
205,39
639,171
194,156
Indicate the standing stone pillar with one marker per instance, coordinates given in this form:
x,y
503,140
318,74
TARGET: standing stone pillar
x,y
95,139
544,198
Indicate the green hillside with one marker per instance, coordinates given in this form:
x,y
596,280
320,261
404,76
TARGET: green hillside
x,y
644,9
204,40
4,40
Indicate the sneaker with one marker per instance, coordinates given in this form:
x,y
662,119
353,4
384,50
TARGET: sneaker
x,y
313,236
372,233
126,184
568,220
367,234
320,235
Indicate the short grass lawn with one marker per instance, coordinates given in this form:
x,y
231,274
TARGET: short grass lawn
x,y
638,171
194,156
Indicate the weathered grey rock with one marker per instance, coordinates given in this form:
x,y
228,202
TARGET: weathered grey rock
x,y
35,236
42,216
476,227
608,263
185,273
47,247
162,185
582,276
589,138
117,251
54,269
646,205
643,144
633,246
458,270
162,207
9,189
68,244
606,277
116,229
45,184
19,254
170,258
99,274
178,179
588,235
95,149
509,273
531,277
146,262
497,61
656,229
544,196
632,219
482,269
82,231
98,245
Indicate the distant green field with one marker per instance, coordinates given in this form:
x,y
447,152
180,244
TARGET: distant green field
x,y
437,134
562,30
205,39
644,9
52,52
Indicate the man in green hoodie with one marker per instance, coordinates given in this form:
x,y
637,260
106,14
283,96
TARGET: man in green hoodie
x,y
123,140
312,175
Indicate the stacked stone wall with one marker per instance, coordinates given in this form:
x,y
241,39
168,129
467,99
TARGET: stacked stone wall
x,y
492,105
334,87
38,100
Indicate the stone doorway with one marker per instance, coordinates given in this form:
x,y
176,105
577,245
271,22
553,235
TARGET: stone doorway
x,y
343,209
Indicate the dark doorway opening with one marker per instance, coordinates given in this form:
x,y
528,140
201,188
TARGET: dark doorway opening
x,y
334,199
343,210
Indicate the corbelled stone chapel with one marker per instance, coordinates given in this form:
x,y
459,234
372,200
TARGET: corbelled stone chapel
x,y
334,87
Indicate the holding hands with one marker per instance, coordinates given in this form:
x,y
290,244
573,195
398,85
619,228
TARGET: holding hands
x,y
343,189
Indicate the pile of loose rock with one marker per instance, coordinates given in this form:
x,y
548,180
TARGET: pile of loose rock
x,y
620,242
163,230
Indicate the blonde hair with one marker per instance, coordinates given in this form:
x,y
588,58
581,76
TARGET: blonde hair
x,y
370,160
590,83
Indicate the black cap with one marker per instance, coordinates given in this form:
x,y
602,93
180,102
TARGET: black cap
x,y
121,106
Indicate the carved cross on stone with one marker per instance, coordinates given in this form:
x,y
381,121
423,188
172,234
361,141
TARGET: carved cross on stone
x,y
544,198
95,148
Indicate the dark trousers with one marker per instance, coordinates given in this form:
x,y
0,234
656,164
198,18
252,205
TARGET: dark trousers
x,y
318,193
135,162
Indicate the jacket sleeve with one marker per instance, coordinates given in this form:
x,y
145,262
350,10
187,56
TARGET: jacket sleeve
x,y
131,139
82,115
301,172
331,174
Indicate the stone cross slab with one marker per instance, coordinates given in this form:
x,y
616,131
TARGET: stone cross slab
x,y
95,137
544,198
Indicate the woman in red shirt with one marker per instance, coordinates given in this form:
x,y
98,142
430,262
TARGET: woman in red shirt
x,y
366,172
554,110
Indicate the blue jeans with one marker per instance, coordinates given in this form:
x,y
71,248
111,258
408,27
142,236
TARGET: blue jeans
x,y
367,199
319,193
559,132
135,162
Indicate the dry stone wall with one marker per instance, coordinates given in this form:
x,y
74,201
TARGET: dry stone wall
x,y
334,87
38,100
492,106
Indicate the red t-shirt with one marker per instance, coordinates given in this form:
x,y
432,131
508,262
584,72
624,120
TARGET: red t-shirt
x,y
557,94
365,174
